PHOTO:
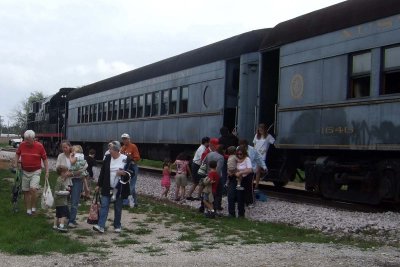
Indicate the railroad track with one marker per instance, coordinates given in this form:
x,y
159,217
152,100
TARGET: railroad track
x,y
302,196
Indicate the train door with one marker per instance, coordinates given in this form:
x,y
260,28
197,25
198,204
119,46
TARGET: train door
x,y
268,96
231,93
248,95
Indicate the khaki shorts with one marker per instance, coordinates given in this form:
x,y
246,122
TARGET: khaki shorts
x,y
181,180
30,180
208,197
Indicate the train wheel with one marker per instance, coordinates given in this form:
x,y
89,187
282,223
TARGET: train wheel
x,y
387,183
389,173
327,186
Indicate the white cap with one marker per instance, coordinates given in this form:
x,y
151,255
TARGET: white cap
x,y
125,135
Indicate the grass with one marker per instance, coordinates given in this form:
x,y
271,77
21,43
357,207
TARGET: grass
x,y
23,235
151,163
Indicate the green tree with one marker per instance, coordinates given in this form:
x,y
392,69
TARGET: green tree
x,y
20,113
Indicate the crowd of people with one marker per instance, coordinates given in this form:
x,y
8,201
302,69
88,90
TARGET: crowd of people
x,y
224,165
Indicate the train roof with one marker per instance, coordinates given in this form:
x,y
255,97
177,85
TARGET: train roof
x,y
342,15
61,95
225,49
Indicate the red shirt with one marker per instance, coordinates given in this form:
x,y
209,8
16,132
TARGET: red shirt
x,y
213,175
203,156
31,155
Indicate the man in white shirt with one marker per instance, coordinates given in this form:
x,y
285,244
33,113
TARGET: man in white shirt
x,y
196,165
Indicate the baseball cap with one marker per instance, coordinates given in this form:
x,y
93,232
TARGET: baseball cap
x,y
214,141
125,135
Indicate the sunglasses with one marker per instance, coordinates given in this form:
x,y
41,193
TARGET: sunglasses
x,y
239,154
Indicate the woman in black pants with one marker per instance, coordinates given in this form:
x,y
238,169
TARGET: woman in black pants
x,y
244,170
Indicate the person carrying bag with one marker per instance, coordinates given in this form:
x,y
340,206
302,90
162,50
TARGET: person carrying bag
x,y
47,196
94,210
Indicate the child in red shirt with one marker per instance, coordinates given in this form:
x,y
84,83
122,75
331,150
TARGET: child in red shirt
x,y
210,189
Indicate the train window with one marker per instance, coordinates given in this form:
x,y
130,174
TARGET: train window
x,y
90,113
110,110
360,75
164,102
140,106
391,71
127,103
79,115
86,113
147,109
183,103
115,110
134,107
100,111
173,102
105,109
94,112
83,115
121,109
156,102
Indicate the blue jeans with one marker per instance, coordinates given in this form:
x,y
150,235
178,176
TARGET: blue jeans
x,y
235,196
77,185
105,205
132,183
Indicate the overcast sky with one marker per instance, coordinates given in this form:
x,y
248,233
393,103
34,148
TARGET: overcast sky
x,y
49,44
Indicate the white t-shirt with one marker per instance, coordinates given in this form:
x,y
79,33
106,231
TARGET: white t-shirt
x,y
116,165
262,144
197,155
245,164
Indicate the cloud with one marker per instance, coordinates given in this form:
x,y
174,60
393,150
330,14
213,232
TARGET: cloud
x,y
112,68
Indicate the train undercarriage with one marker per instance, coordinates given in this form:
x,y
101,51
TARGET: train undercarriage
x,y
355,178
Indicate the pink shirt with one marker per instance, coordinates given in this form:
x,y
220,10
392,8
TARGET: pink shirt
x,y
181,166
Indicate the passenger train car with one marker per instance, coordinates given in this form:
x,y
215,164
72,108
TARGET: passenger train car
x,y
327,82
168,106
338,108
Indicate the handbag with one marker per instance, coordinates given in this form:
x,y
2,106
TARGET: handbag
x,y
47,196
202,170
94,210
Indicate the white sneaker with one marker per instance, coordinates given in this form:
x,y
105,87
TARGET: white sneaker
x,y
117,230
131,202
98,229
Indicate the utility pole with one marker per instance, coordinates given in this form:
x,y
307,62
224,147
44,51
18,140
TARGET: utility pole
x,y
1,125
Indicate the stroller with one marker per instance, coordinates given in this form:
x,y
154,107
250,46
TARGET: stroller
x,y
16,188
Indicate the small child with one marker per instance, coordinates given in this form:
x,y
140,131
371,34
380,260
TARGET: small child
x,y
182,173
61,193
210,189
231,166
166,179
77,159
78,162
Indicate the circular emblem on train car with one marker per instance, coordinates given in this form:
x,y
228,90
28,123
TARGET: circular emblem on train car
x,y
297,86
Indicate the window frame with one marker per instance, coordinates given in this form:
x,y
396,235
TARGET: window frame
x,y
358,77
164,104
386,71
184,102
173,104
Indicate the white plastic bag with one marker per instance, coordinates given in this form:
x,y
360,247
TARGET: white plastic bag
x,y
47,196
